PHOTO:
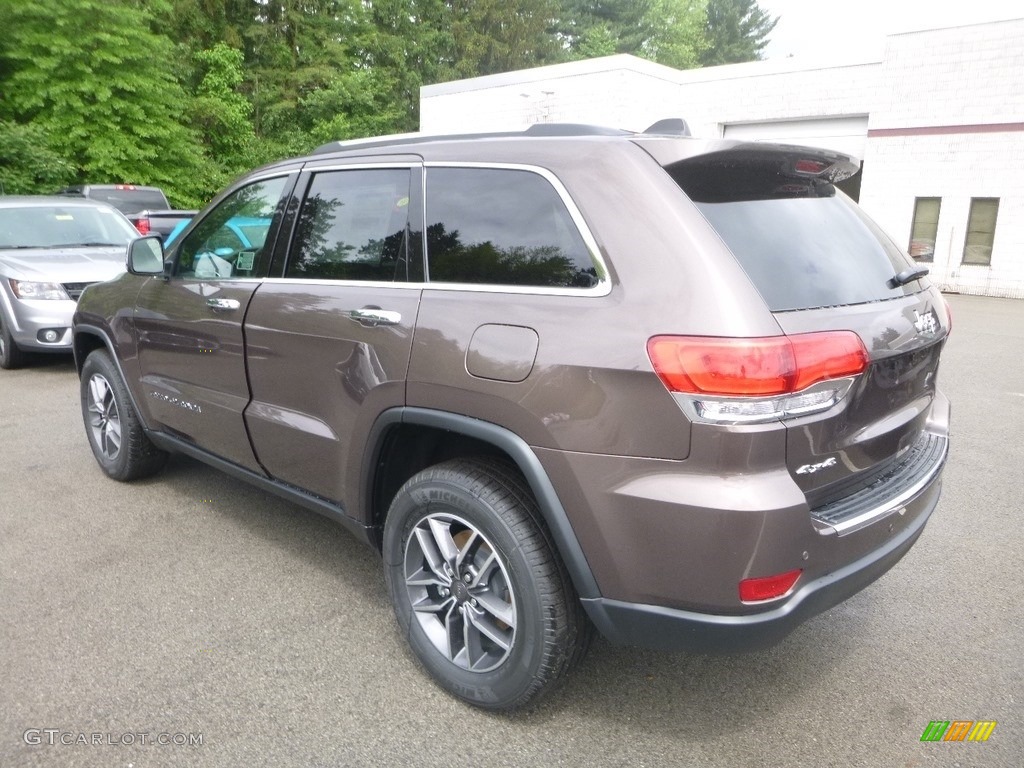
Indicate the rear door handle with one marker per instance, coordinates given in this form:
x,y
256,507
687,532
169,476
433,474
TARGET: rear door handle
x,y
374,316
223,305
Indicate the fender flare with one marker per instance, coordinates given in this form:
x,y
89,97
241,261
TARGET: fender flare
x,y
86,329
525,459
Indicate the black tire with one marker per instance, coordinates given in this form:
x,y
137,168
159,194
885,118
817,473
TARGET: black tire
x,y
115,434
529,624
11,355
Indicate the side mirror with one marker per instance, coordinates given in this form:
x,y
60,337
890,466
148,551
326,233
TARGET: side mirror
x,y
146,256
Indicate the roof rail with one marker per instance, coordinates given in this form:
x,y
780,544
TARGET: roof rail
x,y
573,129
535,130
673,126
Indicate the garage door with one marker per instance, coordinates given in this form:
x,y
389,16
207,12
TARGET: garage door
x,y
841,134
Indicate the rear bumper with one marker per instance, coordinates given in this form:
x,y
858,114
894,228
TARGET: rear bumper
x,y
664,628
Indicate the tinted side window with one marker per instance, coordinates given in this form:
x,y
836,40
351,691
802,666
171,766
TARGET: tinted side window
x,y
353,225
229,240
502,227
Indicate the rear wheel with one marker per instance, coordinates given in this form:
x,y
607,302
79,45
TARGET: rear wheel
x,y
478,590
115,434
11,355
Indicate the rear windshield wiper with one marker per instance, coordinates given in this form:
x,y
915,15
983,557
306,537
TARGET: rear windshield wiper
x,y
907,275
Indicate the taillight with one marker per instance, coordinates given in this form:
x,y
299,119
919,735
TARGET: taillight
x,y
758,379
142,225
768,587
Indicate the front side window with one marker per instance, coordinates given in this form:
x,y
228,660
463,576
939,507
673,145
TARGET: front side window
x,y
925,228
981,230
502,227
354,225
229,241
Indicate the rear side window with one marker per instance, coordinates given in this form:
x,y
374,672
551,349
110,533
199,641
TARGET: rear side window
x,y
802,243
502,227
354,226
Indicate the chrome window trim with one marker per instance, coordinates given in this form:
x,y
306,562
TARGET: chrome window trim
x,y
604,285
312,169
343,283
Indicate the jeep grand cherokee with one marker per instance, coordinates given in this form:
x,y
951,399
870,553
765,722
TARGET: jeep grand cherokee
x,y
680,391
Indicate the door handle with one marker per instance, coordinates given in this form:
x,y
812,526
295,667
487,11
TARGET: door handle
x,y
374,316
223,305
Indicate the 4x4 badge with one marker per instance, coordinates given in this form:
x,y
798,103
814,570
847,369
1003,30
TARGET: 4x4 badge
x,y
927,323
810,469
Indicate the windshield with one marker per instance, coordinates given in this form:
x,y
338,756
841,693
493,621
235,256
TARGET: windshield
x,y
63,227
803,243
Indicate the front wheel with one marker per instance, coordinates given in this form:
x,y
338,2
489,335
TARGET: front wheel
x,y
116,436
478,590
11,355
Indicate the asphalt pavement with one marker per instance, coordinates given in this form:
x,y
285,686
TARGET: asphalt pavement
x,y
195,610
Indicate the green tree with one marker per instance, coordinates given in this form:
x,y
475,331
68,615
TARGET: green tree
x,y
677,35
27,164
490,36
737,31
670,32
94,77
221,112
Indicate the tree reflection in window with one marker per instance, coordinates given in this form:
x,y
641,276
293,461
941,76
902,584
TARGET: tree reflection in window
x,y
239,224
353,226
502,227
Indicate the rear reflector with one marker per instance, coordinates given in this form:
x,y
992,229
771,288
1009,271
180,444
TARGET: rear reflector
x,y
756,367
768,587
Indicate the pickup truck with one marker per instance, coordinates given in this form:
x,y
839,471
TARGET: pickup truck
x,y
146,207
160,222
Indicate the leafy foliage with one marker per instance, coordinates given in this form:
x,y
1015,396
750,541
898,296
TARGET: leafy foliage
x,y
186,94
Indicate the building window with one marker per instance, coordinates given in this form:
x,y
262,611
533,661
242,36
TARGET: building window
x,y
981,230
925,228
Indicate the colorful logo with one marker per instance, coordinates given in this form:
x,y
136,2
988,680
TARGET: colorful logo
x,y
958,730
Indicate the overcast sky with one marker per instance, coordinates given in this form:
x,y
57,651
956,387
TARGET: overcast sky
x,y
815,27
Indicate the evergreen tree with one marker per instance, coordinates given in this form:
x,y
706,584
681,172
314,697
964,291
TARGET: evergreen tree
x,y
737,31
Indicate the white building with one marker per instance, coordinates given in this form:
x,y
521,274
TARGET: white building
x,y
937,119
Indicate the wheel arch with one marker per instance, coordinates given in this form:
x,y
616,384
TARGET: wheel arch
x,y
405,440
87,339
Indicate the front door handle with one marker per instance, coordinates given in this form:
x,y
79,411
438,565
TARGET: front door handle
x,y
374,316
223,305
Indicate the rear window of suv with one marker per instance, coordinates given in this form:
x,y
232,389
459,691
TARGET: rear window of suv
x,y
803,243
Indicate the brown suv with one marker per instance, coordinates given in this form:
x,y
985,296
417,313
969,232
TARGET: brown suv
x,y
682,391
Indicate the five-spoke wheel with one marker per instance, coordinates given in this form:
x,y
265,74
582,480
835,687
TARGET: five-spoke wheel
x,y
116,435
477,586
104,421
460,593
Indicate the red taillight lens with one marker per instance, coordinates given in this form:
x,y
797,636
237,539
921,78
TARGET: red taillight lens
x,y
768,587
757,367
810,166
143,226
